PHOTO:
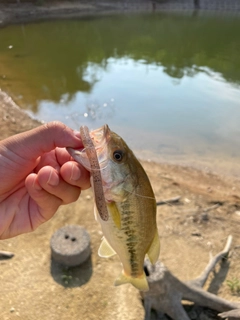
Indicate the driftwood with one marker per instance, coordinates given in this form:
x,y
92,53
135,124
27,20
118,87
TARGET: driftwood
x,y
166,291
6,255
230,315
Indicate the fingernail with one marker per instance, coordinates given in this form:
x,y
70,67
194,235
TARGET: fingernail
x,y
75,173
36,185
53,179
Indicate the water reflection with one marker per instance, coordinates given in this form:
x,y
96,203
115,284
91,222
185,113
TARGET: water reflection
x,y
175,77
92,111
55,58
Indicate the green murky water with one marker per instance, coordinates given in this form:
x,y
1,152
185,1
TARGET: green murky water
x,y
169,84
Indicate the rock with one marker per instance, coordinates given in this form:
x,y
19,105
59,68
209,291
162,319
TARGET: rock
x,y
204,216
237,213
70,245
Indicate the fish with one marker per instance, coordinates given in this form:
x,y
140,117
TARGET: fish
x,y
129,228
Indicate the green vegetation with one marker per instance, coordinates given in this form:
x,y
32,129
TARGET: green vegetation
x,y
66,277
234,286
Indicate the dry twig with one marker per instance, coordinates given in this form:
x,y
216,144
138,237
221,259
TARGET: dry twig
x,y
167,201
6,254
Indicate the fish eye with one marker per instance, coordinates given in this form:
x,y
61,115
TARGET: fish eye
x,y
118,155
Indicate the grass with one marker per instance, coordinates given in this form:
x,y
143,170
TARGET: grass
x,y
66,277
234,286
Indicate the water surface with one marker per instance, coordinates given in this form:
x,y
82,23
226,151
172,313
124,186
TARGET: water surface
x,y
168,83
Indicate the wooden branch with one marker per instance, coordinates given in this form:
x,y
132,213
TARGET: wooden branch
x,y
230,315
215,206
201,280
207,299
6,254
164,295
167,201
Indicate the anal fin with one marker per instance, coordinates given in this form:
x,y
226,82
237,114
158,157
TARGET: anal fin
x,y
105,250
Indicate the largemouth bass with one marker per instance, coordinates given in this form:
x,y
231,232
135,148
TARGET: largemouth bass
x,y
129,227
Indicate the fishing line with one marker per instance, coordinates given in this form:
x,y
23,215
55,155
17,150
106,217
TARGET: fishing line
x,y
139,195
147,197
88,167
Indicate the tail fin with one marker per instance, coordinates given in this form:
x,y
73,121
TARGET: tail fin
x,y
140,282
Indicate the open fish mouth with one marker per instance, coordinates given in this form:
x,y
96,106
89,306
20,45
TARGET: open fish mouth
x,y
100,138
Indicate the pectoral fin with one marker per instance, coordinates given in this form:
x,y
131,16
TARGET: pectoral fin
x,y
105,250
140,282
154,250
113,210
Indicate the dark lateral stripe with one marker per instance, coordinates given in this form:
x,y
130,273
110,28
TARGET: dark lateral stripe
x,y
131,241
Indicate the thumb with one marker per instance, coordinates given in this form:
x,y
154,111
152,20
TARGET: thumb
x,y
34,143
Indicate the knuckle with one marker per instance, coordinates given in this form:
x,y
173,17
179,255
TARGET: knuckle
x,y
55,126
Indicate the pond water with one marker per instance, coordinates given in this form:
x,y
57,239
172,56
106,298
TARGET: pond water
x,y
168,83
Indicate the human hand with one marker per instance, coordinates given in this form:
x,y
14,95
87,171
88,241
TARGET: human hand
x,y
37,175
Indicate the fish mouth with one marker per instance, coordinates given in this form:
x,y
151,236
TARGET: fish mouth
x,y
100,136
